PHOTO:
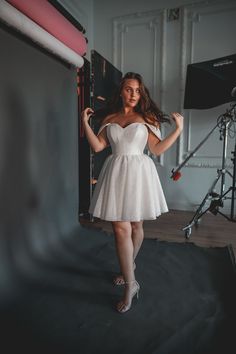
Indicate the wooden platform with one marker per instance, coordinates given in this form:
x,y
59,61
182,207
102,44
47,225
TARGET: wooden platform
x,y
212,231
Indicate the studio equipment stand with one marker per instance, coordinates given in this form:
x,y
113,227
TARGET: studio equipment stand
x,y
216,199
216,77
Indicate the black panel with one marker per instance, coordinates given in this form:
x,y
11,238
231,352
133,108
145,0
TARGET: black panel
x,y
210,83
96,84
84,148
105,80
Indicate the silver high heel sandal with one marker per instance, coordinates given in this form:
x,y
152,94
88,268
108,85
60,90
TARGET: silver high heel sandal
x,y
135,291
119,280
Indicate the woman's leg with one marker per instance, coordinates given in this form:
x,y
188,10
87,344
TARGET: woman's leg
x,y
137,235
125,252
124,248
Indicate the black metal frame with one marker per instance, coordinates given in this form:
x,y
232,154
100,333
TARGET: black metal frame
x,y
217,200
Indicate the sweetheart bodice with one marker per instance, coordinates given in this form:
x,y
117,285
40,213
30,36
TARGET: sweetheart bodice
x,y
130,140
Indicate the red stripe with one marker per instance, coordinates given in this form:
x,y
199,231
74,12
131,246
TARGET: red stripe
x,y
47,17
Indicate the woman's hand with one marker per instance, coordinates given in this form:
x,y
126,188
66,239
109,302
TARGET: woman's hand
x,y
86,114
178,120
97,142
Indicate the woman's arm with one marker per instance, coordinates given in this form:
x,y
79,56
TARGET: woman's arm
x,y
97,143
156,146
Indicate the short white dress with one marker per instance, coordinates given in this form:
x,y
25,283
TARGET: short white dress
x,y
128,186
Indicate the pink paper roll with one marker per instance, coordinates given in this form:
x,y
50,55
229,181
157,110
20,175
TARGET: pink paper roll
x,y
46,16
22,23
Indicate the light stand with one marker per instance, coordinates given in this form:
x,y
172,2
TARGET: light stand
x,y
217,200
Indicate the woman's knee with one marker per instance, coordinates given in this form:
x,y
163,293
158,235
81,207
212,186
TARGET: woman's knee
x,y
121,229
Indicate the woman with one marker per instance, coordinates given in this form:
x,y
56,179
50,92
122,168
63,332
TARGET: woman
x,y
128,190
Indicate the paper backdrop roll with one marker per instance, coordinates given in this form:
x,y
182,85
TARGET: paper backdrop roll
x,y
11,16
47,17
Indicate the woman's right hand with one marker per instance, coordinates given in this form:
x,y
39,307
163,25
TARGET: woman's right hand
x,y
86,114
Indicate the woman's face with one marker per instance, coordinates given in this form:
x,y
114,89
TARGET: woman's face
x,y
130,93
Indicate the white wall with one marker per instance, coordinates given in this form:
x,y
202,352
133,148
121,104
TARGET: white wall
x,y
137,35
106,10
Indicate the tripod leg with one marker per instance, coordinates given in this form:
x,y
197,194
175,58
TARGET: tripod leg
x,y
199,212
234,184
224,125
231,189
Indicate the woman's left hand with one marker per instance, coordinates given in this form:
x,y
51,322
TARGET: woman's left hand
x,y
178,120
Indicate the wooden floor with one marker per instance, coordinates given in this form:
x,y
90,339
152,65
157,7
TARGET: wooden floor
x,y
212,231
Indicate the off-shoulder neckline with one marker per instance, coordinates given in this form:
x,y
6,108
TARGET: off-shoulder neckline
x,y
111,123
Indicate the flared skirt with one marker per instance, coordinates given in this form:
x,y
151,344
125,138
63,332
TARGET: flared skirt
x,y
128,189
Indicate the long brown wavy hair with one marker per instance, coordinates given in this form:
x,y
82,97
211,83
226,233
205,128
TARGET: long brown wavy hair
x,y
146,107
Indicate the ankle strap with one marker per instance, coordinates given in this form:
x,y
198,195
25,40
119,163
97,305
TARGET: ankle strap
x,y
131,281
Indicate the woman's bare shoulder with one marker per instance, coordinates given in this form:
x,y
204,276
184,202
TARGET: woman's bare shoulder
x,y
151,119
109,119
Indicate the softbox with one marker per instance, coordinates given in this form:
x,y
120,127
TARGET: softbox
x,y
210,83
